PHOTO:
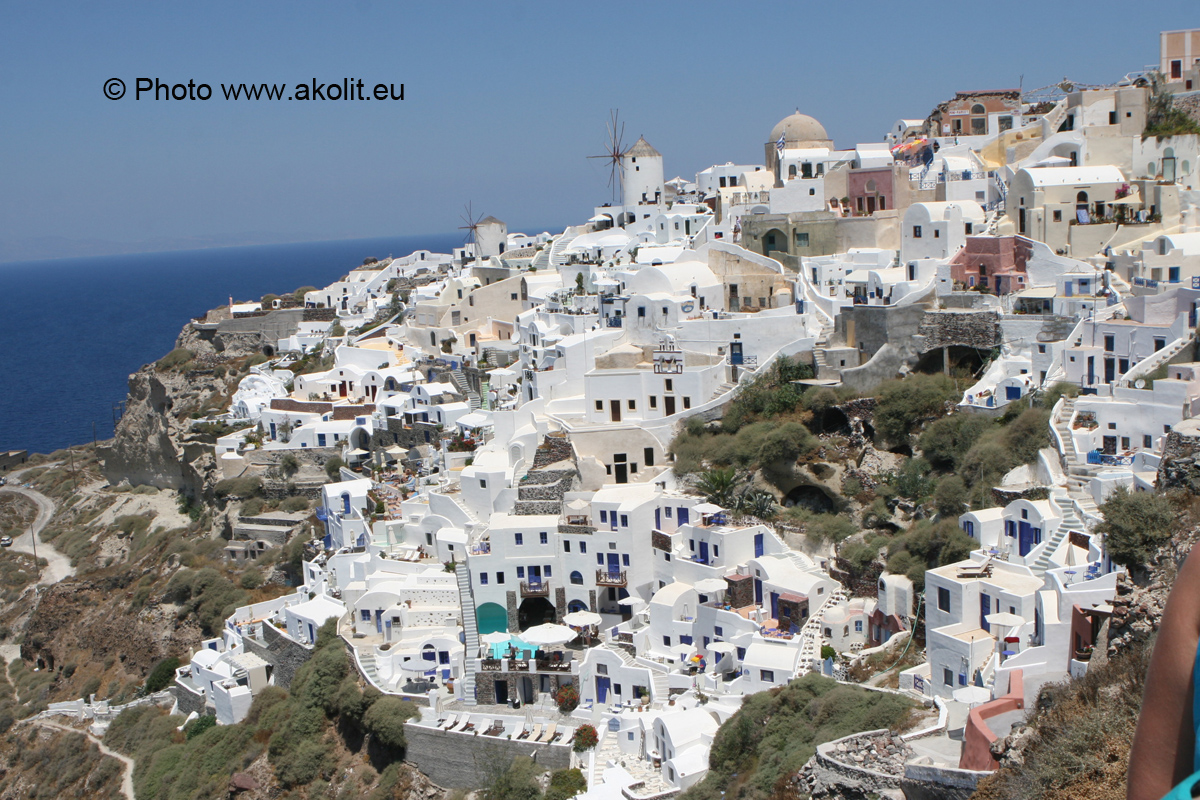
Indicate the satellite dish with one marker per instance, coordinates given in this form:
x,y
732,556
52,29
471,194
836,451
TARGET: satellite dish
x,y
1140,383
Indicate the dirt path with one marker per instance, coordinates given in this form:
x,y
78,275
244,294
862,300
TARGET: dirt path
x,y
58,566
126,761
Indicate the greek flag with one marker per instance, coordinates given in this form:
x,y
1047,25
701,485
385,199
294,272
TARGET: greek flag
x,y
779,144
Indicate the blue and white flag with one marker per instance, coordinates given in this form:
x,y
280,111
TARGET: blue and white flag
x,y
779,144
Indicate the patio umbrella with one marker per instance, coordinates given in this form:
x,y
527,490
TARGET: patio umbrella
x,y
582,619
495,638
635,604
548,634
359,452
710,585
722,647
972,695
1005,619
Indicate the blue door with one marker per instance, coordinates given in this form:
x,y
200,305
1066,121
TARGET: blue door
x,y
1025,537
379,620
658,519
614,563
985,608
758,545
682,518
703,552
775,605
312,634
1012,392
758,591
602,685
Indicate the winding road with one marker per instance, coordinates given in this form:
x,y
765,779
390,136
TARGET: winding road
x,y
58,566
126,761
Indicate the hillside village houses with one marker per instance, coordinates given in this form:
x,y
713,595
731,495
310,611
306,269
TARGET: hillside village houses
x,y
508,520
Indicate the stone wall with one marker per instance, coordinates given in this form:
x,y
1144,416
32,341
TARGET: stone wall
x,y
927,782
284,654
977,329
187,699
1178,468
660,541
862,765
741,590
466,761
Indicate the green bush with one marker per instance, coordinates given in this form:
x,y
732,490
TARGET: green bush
x,y
786,443
945,441
333,467
243,487
294,503
905,405
289,464
175,359
518,782
385,720
565,784
1135,525
951,496
200,725
162,675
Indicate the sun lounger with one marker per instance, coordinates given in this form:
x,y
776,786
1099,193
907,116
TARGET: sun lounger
x,y
497,727
524,734
467,726
450,721
536,733
550,732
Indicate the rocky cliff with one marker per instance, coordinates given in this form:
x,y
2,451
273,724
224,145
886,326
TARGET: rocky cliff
x,y
155,443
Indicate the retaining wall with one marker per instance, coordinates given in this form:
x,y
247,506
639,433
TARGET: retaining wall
x,y
466,761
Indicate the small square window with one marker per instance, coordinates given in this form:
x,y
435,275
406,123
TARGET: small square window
x,y
519,538
583,547
632,405
603,515
483,579
544,537
566,545
667,512
947,676
766,675
599,405
624,521
520,572
718,630
499,577
667,641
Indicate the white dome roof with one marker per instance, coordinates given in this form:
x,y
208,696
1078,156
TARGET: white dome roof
x,y
799,128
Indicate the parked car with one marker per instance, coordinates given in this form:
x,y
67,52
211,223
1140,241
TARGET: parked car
x,y
5,541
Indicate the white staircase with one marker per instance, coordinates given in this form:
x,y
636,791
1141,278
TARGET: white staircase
x,y
366,659
661,686
470,632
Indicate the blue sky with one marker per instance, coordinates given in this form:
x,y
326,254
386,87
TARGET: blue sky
x,y
504,101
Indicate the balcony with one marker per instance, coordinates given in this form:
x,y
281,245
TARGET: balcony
x,y
611,578
535,589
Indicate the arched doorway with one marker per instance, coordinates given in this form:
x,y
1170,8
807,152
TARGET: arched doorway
x,y
774,239
576,605
491,618
534,611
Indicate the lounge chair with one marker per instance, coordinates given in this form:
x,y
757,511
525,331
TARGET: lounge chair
x,y
497,727
536,733
467,726
524,734
550,732
450,721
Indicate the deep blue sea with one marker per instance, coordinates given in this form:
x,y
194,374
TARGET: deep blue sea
x,y
72,330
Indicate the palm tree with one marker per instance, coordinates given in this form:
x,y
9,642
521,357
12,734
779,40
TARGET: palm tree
x,y
719,485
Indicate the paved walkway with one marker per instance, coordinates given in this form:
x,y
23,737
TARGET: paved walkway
x,y
58,566
126,761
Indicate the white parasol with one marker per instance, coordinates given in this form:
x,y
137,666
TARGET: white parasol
x,y
548,634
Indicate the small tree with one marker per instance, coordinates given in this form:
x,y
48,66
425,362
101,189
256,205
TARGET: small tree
x,y
1135,525
333,467
579,283
950,496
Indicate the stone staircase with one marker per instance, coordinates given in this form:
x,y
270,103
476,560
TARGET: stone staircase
x,y
552,475
470,632
464,387
1070,522
821,368
556,258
